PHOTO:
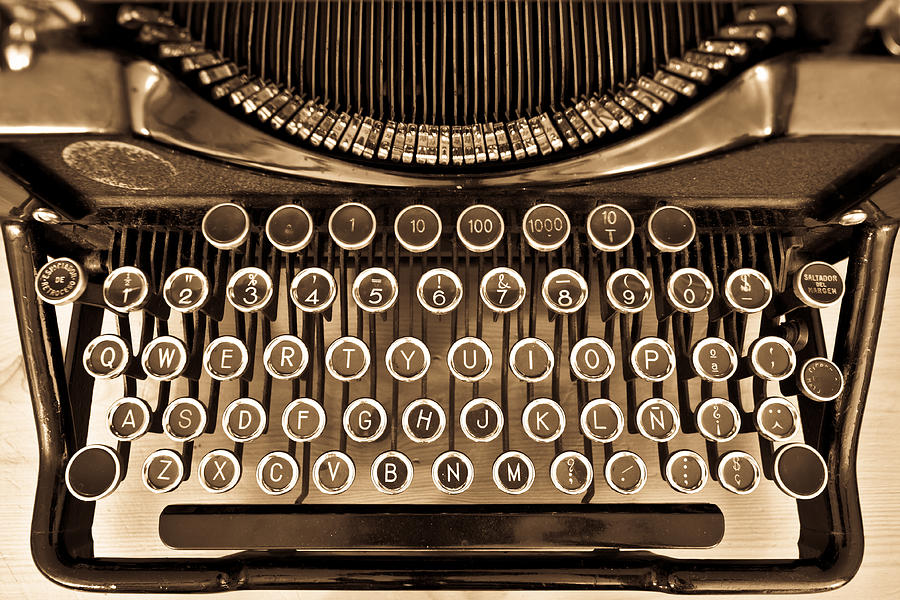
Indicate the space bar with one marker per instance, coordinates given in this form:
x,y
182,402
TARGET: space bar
x,y
441,527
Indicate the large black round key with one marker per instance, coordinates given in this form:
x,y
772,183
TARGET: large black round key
x,y
671,228
226,226
93,473
289,228
800,471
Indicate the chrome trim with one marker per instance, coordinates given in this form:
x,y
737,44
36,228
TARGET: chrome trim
x,y
589,433
528,463
729,294
579,281
729,350
489,358
317,408
482,288
670,289
795,416
71,296
676,421
777,474
530,407
729,407
139,301
801,380
265,460
544,346
610,359
262,276
351,468
202,297
442,420
360,345
667,350
597,243
201,427
124,348
145,471
247,402
806,298
426,356
377,407
588,480
242,350
117,478
230,457
454,301
332,289
304,356
704,471
738,454
302,243
640,463
377,463
463,424
391,287
142,406
182,357
758,369
464,459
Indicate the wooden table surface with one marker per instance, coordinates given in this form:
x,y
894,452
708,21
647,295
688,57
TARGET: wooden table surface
x,y
879,484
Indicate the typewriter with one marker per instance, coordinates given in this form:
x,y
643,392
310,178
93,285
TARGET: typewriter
x,y
449,293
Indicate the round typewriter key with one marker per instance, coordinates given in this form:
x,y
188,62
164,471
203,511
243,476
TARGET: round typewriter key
x,y
602,420
128,418
571,473
347,358
502,289
392,472
653,359
418,228
469,359
479,228
772,358
93,473
818,285
513,472
352,226
365,420
628,291
714,359
546,227
543,420
800,471
285,357
126,289
164,358
60,281
748,290
375,290
277,473
219,471
333,472
452,472
481,420
738,472
313,289
439,291
626,472
249,289
407,359
657,420
564,291
686,472
592,359
610,227
689,290
226,226
225,358
423,420
777,419
289,228
244,420
820,380
671,228
303,420
531,360
163,471
718,420
106,356
184,419
186,290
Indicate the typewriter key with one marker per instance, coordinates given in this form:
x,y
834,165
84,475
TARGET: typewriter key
x,y
126,289
225,358
93,473
592,359
418,228
128,418
452,472
277,473
820,380
285,357
375,289
571,473
502,289
748,291
184,419
60,281
244,420
186,290
686,472
365,420
689,290
392,472
249,289
657,420
714,359
738,472
347,358
777,419
531,360
818,285
628,291
219,471
653,359
543,420
513,472
546,227
671,228
469,359
313,289
772,358
333,472
610,227
564,291
423,420
106,356
800,471
479,228
626,472
303,420
439,291
718,420
407,359
163,471
226,226
164,358
481,420
289,228
602,420
352,226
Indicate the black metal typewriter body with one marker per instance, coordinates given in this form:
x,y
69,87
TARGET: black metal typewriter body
x,y
455,294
